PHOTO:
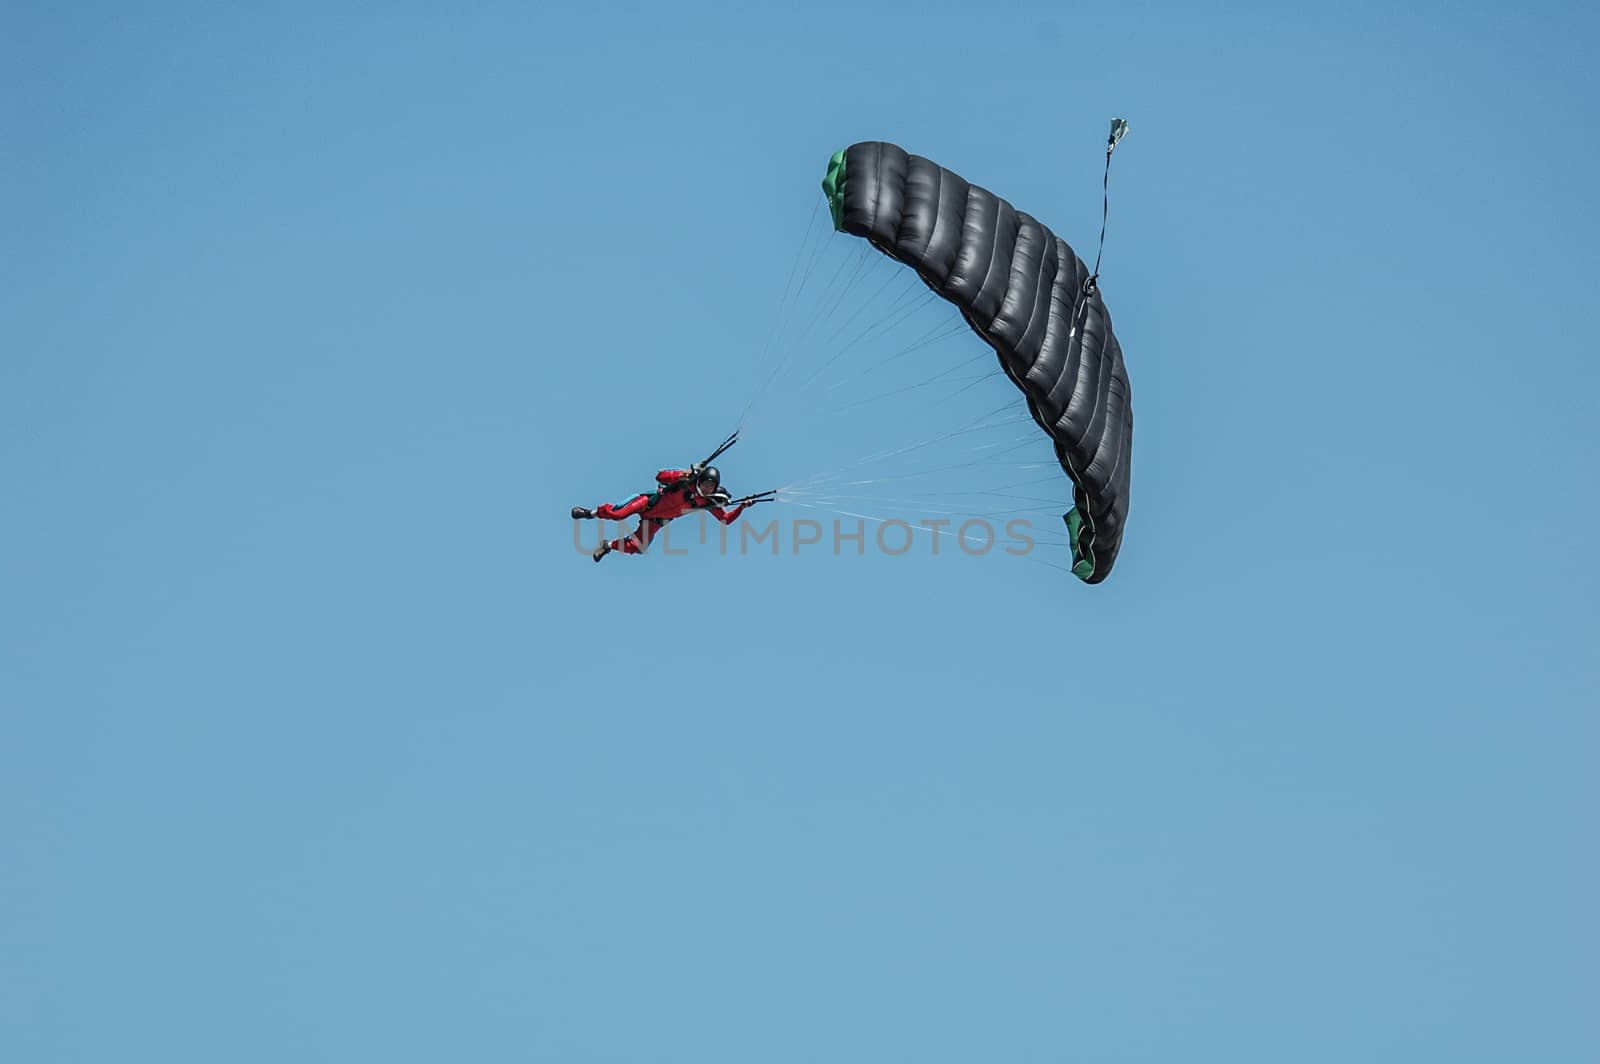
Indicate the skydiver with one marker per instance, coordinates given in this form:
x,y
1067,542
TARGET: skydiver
x,y
680,490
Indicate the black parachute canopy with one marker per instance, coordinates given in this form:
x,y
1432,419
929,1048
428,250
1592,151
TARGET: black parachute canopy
x,y
1028,295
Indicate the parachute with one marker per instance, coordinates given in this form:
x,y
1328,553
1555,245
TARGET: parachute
x,y
1025,292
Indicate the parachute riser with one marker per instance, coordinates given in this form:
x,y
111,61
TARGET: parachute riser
x,y
732,439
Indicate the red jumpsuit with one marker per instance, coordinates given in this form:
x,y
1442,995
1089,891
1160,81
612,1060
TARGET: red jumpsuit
x,y
676,498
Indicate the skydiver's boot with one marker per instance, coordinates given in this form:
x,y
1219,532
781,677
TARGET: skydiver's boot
x,y
602,550
580,513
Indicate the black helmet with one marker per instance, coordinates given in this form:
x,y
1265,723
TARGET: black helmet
x,y
709,480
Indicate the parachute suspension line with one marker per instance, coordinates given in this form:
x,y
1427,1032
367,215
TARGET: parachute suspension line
x,y
983,459
925,527
975,425
967,361
1054,478
846,507
989,376
826,294
817,251
791,356
833,478
1119,129
789,346
872,301
921,341
1053,565
935,379
788,288
869,489
780,320
922,505
828,316
865,303
826,310
881,330
941,330
836,310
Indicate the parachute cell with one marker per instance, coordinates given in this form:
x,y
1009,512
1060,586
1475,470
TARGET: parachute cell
x,y
1026,293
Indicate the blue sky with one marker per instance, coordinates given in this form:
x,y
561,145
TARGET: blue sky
x,y
319,741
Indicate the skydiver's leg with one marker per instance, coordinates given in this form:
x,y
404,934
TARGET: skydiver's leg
x,y
608,512
641,537
636,543
639,542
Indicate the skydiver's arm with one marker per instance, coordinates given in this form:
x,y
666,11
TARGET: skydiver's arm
x,y
669,477
727,517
